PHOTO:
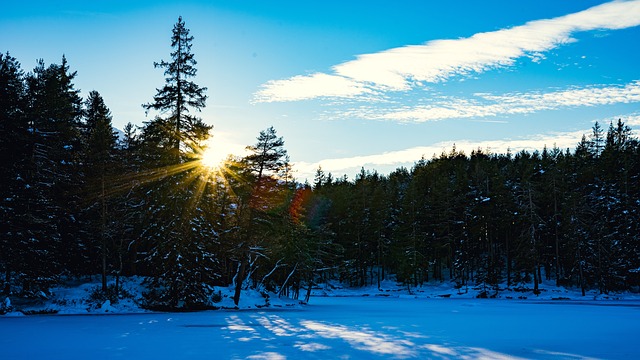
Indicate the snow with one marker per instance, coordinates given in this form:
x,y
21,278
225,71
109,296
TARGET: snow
x,y
434,321
340,327
74,297
548,292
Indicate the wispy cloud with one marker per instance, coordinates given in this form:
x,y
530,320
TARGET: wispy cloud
x,y
310,87
408,67
407,157
631,119
487,105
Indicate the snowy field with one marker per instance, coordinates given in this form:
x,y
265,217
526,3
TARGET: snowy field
x,y
340,328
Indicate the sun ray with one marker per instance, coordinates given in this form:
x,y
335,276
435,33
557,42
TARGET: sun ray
x,y
208,166
213,154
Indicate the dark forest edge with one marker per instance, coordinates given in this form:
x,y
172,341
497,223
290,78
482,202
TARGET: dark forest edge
x,y
76,200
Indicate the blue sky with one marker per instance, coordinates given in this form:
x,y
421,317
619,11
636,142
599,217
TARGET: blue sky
x,y
350,84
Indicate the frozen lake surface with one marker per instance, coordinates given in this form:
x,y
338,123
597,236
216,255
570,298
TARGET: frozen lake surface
x,y
340,328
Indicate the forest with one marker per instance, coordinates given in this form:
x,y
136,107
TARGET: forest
x,y
77,199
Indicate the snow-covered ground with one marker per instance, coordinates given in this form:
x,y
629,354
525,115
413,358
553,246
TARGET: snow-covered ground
x,y
547,291
75,296
435,321
339,328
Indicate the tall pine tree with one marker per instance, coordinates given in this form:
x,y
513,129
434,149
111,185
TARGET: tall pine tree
x,y
178,234
100,150
55,113
14,151
179,130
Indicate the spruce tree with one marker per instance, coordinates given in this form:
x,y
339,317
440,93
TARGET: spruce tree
x,y
100,150
179,131
262,168
176,229
55,176
14,150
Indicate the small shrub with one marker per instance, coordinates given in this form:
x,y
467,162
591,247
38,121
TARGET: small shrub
x,y
216,297
64,302
98,296
5,306
40,312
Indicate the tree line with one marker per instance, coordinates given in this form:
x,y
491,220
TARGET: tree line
x,y
77,199
493,219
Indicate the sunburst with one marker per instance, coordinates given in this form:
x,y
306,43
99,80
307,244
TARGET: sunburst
x,y
213,154
208,166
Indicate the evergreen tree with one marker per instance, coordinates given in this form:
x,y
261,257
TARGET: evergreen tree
x,y
100,150
179,247
14,151
179,232
267,156
527,263
55,176
597,142
319,179
407,241
129,204
262,167
179,131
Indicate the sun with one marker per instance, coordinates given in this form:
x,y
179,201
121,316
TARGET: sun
x,y
213,155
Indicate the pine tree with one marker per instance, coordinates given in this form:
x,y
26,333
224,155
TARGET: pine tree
x,y
127,210
181,238
597,141
54,111
529,220
319,179
267,155
100,150
262,166
14,151
179,131
179,247
408,241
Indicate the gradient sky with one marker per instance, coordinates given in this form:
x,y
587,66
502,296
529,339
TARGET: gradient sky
x,y
377,84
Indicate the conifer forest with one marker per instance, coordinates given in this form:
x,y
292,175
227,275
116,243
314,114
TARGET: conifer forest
x,y
80,198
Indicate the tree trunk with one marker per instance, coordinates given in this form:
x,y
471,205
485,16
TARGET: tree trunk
x,y
178,98
308,295
536,277
536,281
555,220
600,281
103,216
104,272
119,272
117,289
379,256
581,272
240,279
508,261
287,279
7,281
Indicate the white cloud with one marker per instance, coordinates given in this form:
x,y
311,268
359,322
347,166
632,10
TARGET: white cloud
x,y
487,105
312,86
590,96
631,120
407,157
403,68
